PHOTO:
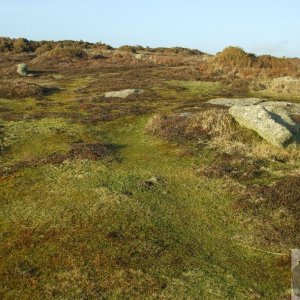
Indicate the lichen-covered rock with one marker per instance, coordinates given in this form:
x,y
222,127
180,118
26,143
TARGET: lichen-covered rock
x,y
123,93
231,102
139,56
273,124
22,69
293,108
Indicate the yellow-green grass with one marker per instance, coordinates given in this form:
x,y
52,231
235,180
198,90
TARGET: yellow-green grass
x,y
94,229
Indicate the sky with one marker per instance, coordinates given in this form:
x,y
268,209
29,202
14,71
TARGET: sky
x,y
258,26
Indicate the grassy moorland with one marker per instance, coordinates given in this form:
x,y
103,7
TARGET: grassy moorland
x,y
98,203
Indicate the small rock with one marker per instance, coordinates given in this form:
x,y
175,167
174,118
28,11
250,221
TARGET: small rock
x,y
22,69
139,56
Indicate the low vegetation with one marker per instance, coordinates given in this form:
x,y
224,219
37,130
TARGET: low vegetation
x,y
156,196
235,62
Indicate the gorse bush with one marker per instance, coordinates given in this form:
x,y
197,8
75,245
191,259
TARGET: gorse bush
x,y
235,57
235,62
17,46
22,45
6,44
127,48
66,53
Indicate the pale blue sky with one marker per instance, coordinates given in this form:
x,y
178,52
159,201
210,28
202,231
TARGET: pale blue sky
x,y
259,26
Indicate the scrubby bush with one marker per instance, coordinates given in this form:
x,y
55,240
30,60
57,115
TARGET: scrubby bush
x,y
102,46
234,57
6,44
22,89
17,46
22,45
66,53
127,48
44,48
235,62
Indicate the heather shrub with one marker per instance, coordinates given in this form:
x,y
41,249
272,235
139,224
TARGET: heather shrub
x,y
44,48
22,89
127,48
66,53
6,44
235,62
21,45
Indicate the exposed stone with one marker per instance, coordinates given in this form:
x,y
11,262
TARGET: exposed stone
x,y
273,124
22,69
231,102
293,108
123,93
139,56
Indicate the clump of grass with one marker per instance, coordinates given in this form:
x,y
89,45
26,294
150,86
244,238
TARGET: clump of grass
x,y
238,167
63,53
207,124
267,151
95,151
20,89
23,89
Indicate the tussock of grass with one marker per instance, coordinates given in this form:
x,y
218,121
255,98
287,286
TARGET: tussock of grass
x,y
214,122
20,89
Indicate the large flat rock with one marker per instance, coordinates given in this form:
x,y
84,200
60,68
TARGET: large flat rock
x,y
273,124
123,93
293,108
235,101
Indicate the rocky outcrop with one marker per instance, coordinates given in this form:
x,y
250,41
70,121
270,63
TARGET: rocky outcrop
x,y
139,56
293,108
231,102
272,123
123,93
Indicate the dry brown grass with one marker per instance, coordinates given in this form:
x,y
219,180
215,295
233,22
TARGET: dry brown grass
x,y
274,211
22,89
219,131
235,62
60,53
211,123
